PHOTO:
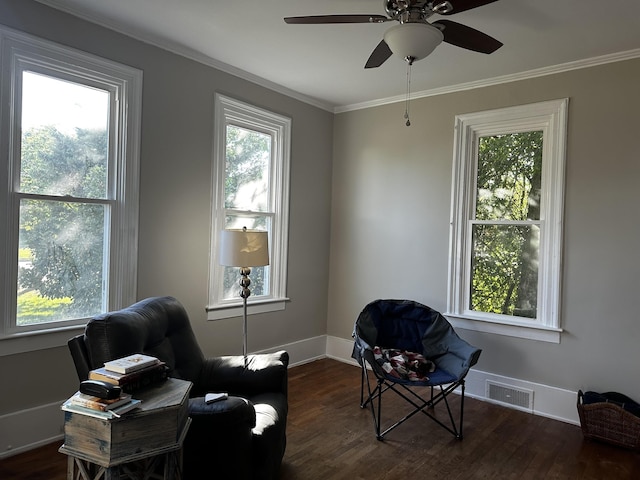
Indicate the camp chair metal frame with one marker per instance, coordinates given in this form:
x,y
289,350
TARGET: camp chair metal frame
x,y
410,326
418,402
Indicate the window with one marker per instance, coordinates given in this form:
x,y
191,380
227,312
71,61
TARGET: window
x,y
69,204
507,205
251,189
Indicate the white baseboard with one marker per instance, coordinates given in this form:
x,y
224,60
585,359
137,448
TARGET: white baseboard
x,y
31,428
551,402
340,349
27,429
302,351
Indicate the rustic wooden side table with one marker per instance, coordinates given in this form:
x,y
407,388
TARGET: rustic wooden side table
x,y
143,444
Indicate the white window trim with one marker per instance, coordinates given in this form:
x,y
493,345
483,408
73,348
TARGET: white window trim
x,y
230,111
551,117
19,49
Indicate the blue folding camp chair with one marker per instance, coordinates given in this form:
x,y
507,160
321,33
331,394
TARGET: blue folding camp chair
x,y
406,345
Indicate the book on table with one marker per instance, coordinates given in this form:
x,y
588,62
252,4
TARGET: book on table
x,y
117,412
97,403
134,380
131,363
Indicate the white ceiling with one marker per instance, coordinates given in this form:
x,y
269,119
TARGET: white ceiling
x,y
324,64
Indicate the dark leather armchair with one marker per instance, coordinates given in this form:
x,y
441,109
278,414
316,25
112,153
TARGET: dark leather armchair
x,y
243,437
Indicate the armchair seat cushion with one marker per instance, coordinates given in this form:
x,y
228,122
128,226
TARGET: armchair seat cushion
x,y
232,412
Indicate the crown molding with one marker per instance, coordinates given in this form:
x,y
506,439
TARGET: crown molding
x,y
539,72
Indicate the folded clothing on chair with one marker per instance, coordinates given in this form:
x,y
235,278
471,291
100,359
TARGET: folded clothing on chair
x,y
403,364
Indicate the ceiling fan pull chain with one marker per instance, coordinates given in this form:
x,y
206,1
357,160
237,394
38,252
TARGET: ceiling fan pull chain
x,y
408,97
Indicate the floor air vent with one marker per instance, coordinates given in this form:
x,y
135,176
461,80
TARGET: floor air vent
x,y
520,398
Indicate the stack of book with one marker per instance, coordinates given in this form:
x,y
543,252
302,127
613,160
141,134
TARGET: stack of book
x,y
100,407
132,372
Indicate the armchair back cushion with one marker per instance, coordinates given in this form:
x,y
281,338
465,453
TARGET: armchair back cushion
x,y
158,328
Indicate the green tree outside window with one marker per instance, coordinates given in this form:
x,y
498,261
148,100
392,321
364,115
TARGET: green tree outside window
x,y
505,231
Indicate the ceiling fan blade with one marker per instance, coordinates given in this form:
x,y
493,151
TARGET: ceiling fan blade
x,y
320,19
462,5
467,37
379,55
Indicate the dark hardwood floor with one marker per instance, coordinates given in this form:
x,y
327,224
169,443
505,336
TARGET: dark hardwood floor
x,y
331,437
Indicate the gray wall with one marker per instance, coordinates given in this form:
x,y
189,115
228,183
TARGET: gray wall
x,y
390,222
388,226
175,195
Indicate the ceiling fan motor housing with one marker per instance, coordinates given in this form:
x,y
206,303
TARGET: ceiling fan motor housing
x,y
412,10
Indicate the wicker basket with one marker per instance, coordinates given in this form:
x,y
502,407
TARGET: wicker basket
x,y
610,423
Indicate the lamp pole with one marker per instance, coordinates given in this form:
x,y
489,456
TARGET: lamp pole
x,y
244,293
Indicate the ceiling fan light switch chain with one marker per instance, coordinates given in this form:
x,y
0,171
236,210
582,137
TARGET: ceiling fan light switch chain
x,y
408,96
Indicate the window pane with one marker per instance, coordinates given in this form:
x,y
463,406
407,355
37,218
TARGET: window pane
x,y
248,155
258,222
259,275
64,138
509,177
259,279
504,269
61,261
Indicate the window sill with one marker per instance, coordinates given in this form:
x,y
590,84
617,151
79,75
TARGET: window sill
x,y
219,312
529,332
37,340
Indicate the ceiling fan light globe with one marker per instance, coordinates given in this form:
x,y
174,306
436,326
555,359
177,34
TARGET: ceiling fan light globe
x,y
413,40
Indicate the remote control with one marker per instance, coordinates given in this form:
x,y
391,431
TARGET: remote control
x,y
215,397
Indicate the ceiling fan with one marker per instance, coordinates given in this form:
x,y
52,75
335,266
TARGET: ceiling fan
x,y
414,37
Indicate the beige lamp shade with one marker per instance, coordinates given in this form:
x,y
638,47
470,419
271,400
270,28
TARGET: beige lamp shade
x,y
244,248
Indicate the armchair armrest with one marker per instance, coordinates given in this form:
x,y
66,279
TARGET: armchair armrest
x,y
80,356
266,372
221,433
